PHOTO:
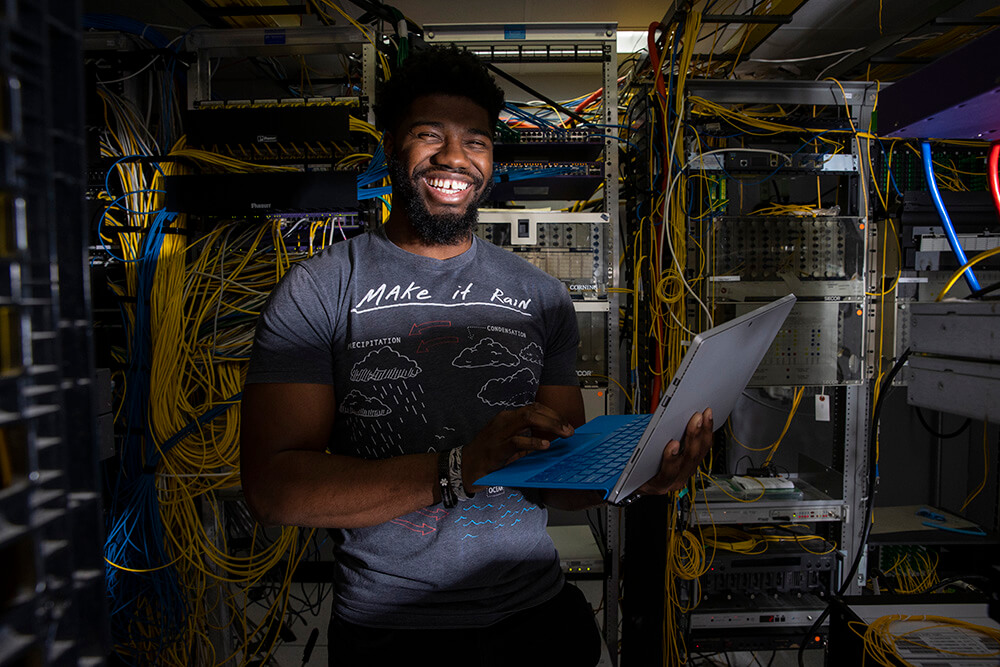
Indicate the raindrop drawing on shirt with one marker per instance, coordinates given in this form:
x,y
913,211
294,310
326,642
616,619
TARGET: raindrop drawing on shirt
x,y
377,415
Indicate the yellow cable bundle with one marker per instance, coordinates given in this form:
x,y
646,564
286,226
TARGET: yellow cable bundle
x,y
207,460
165,308
685,561
768,534
915,571
202,312
881,644
732,539
189,381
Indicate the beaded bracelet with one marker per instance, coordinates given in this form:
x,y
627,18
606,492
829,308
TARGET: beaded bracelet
x,y
448,497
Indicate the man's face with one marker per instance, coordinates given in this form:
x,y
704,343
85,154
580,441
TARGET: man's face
x,y
441,166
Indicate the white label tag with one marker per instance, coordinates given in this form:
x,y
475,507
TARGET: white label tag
x,y
822,408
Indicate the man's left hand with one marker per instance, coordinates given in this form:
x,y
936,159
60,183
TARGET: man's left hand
x,y
678,464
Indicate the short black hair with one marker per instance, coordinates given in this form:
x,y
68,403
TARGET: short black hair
x,y
444,70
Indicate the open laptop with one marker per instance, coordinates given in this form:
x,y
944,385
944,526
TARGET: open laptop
x,y
619,453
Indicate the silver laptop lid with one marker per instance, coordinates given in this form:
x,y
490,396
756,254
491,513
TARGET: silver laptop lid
x,y
714,372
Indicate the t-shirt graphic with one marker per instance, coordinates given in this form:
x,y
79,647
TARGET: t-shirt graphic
x,y
422,354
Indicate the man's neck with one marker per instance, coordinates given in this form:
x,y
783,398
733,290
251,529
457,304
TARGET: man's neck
x,y
400,232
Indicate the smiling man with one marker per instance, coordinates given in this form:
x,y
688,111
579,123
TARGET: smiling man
x,y
387,376
441,192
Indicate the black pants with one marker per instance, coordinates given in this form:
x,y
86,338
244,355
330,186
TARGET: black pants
x,y
557,633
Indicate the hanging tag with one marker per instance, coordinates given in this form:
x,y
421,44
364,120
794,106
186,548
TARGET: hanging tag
x,y
822,407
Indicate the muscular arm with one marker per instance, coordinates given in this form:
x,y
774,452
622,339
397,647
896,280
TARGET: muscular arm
x,y
288,478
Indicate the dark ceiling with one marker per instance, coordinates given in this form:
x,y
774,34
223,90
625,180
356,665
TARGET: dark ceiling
x,y
788,39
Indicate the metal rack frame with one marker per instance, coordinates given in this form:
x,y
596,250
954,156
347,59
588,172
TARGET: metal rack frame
x,y
852,397
857,98
210,43
560,43
850,416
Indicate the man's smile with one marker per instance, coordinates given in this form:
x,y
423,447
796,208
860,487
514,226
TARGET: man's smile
x,y
447,185
449,189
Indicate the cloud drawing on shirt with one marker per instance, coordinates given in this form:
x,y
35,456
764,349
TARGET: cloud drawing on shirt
x,y
532,354
485,353
510,392
361,405
384,364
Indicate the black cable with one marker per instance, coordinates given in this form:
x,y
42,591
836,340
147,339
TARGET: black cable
x,y
944,436
869,505
983,291
771,661
954,580
310,645
736,468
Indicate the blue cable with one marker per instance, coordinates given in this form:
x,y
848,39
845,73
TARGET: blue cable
x,y
125,24
949,228
135,535
107,175
153,227
619,139
892,177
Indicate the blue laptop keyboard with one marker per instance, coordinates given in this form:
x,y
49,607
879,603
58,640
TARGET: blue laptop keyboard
x,y
599,462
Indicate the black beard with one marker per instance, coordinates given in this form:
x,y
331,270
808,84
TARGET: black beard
x,y
441,229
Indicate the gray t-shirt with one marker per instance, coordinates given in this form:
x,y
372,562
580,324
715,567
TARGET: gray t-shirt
x,y
422,353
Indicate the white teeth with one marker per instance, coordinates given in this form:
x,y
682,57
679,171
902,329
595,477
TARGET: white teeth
x,y
447,184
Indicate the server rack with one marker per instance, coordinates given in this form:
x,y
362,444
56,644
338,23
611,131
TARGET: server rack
x,y
836,265
597,308
824,354
51,602
310,207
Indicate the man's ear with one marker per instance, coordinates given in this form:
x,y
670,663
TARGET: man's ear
x,y
388,144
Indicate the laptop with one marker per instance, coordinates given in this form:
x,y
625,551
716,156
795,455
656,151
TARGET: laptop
x,y
617,454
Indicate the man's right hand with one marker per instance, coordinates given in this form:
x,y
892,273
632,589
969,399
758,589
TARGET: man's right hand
x,y
508,437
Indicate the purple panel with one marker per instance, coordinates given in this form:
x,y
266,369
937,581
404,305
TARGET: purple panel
x,y
955,97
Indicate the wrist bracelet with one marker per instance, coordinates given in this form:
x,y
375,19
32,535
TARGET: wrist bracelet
x,y
455,479
448,498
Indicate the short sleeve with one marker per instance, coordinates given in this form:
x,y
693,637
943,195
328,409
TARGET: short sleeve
x,y
295,333
562,343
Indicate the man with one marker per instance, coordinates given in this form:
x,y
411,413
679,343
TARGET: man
x,y
424,358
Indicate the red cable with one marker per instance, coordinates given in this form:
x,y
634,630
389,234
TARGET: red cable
x,y
593,96
654,59
993,175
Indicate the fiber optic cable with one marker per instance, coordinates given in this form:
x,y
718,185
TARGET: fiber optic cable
x,y
949,228
993,173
